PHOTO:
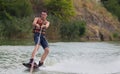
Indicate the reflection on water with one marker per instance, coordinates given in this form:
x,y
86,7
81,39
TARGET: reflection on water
x,y
64,58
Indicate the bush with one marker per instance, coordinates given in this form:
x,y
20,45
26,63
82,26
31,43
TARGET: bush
x,y
16,8
72,30
16,28
14,20
113,6
53,30
116,35
61,30
61,8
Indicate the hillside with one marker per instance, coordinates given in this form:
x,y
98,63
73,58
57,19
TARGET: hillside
x,y
101,24
71,20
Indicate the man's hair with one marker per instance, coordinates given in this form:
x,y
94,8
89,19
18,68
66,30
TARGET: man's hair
x,y
45,11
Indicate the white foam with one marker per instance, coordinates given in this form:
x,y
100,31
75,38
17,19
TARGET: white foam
x,y
82,67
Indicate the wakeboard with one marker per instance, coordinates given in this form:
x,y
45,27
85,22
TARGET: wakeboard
x,y
28,65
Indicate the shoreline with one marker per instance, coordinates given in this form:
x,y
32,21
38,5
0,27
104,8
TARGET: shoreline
x,y
31,42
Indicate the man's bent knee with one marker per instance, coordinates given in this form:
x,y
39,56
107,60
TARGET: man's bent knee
x,y
47,50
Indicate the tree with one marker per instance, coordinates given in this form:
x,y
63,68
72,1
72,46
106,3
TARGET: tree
x,y
113,6
61,8
72,30
14,8
13,17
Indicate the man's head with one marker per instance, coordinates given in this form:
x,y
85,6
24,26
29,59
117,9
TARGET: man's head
x,y
43,15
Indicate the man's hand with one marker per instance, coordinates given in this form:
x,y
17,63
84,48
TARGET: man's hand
x,y
37,25
43,26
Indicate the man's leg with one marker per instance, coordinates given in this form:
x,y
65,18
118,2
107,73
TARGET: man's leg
x,y
35,51
32,57
46,51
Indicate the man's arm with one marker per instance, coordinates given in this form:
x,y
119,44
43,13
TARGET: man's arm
x,y
47,25
35,22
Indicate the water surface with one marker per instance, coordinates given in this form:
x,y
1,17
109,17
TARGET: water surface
x,y
64,58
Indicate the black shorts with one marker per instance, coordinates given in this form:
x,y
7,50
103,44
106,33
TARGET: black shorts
x,y
43,42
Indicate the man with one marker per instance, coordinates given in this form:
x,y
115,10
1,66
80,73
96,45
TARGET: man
x,y
40,25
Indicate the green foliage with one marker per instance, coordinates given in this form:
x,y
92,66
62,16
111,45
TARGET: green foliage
x,y
67,31
115,35
16,28
81,27
53,30
16,8
38,5
14,20
72,30
113,6
61,8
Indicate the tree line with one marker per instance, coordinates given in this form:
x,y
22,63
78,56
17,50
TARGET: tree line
x,y
113,6
16,17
